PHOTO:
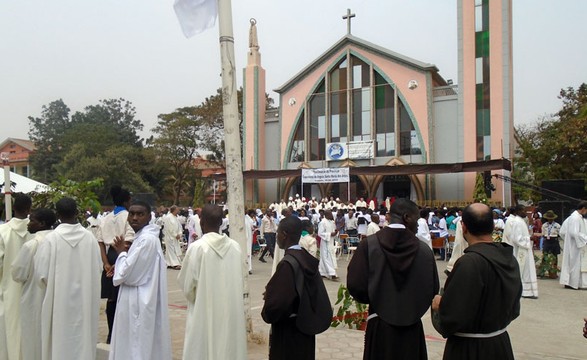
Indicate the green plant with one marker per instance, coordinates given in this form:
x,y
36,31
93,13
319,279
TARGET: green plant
x,y
350,312
83,192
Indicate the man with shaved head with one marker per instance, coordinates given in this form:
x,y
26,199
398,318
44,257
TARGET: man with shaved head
x,y
212,281
481,295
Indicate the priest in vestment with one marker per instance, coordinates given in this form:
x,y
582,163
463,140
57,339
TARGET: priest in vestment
x,y
172,233
13,235
395,273
212,281
481,295
141,326
327,232
574,232
68,266
516,234
40,225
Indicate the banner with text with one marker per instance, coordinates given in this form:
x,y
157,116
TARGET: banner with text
x,y
325,175
360,150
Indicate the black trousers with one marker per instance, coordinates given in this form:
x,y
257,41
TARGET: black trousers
x,y
270,241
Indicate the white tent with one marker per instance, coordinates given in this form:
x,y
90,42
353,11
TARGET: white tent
x,y
23,183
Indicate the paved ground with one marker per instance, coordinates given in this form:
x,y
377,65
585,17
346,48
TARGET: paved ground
x,y
548,328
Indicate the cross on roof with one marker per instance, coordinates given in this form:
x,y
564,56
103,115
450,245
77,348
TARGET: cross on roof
x,y
348,17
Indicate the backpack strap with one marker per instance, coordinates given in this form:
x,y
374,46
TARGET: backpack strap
x,y
298,275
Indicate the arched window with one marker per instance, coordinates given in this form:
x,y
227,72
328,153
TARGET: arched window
x,y
360,105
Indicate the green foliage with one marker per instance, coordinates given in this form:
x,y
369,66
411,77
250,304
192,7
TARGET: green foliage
x,y
350,312
554,147
479,190
84,194
201,187
100,142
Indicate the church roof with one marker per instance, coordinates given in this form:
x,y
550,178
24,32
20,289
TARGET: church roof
x,y
363,44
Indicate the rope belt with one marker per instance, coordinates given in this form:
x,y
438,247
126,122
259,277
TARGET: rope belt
x,y
374,315
480,336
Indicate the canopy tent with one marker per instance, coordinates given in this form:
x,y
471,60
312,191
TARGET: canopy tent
x,y
22,183
408,169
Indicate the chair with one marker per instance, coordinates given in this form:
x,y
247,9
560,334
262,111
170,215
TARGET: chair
x,y
438,244
353,242
262,243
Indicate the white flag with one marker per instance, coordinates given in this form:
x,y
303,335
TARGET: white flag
x,y
195,16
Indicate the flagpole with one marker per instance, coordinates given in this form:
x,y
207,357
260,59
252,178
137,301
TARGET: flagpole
x,y
232,144
7,186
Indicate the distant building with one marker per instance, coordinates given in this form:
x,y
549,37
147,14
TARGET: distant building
x,y
389,109
19,151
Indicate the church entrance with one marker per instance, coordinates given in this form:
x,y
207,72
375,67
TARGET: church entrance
x,y
398,186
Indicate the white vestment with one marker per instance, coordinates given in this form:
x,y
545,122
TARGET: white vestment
x,y
574,266
171,230
308,242
32,297
113,225
68,265
194,227
423,233
517,235
13,235
212,281
327,265
458,248
372,228
141,326
249,226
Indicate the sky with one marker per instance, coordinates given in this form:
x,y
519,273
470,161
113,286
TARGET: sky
x,y
85,51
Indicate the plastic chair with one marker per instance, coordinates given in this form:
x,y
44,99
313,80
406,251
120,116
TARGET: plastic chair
x,y
353,242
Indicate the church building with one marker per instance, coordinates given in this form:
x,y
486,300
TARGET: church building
x,y
359,104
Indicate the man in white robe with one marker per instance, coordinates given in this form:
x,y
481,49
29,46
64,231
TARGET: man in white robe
x,y
327,232
172,233
68,266
41,221
141,326
423,233
458,248
373,226
212,281
574,233
13,235
250,225
194,227
516,234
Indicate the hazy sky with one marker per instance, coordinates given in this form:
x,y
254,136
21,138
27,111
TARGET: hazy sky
x,y
83,51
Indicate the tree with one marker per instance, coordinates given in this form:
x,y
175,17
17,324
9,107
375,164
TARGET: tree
x,y
101,141
554,147
479,194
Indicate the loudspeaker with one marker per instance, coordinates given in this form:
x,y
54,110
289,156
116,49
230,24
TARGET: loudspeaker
x,y
572,188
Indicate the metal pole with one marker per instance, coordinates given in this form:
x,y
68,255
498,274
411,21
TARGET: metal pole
x,y
232,145
7,188
214,189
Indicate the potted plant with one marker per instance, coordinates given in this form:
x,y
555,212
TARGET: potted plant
x,y
350,312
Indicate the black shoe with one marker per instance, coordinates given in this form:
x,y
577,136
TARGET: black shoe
x,y
250,273
446,272
262,260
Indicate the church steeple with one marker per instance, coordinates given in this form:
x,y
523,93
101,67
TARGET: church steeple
x,y
254,57
254,116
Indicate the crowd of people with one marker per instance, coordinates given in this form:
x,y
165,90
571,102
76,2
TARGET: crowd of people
x,y
53,272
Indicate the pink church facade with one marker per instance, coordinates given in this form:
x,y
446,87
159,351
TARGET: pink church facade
x,y
359,93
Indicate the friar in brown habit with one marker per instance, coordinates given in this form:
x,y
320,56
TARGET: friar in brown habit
x,y
296,302
396,275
